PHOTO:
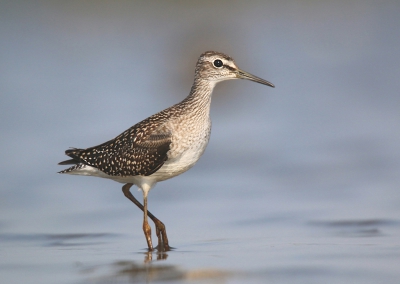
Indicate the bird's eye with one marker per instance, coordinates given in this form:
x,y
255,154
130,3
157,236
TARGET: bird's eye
x,y
218,63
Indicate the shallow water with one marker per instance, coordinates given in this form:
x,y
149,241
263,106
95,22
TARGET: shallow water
x,y
299,184
339,252
234,240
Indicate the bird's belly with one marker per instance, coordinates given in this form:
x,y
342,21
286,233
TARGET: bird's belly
x,y
188,144
181,159
178,165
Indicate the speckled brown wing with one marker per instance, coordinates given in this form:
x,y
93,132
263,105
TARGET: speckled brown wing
x,y
140,150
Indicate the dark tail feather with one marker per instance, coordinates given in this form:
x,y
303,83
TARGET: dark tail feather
x,y
69,162
72,153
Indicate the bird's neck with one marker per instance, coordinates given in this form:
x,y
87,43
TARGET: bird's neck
x,y
200,95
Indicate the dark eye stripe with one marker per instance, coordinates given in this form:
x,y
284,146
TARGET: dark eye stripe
x,y
229,68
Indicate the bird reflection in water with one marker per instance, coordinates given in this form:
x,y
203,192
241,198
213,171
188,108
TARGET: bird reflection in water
x,y
148,256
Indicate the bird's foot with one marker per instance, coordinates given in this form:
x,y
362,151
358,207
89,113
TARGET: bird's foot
x,y
162,236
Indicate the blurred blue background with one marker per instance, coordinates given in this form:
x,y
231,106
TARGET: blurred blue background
x,y
323,146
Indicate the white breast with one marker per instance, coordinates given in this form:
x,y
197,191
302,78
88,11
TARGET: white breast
x,y
188,144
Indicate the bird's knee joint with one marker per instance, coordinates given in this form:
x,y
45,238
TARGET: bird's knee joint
x,y
146,228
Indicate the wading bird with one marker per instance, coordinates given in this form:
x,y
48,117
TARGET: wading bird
x,y
163,145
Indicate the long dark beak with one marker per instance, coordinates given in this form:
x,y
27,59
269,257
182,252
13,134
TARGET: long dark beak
x,y
244,75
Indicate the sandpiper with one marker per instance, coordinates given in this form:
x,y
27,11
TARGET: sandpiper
x,y
163,145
